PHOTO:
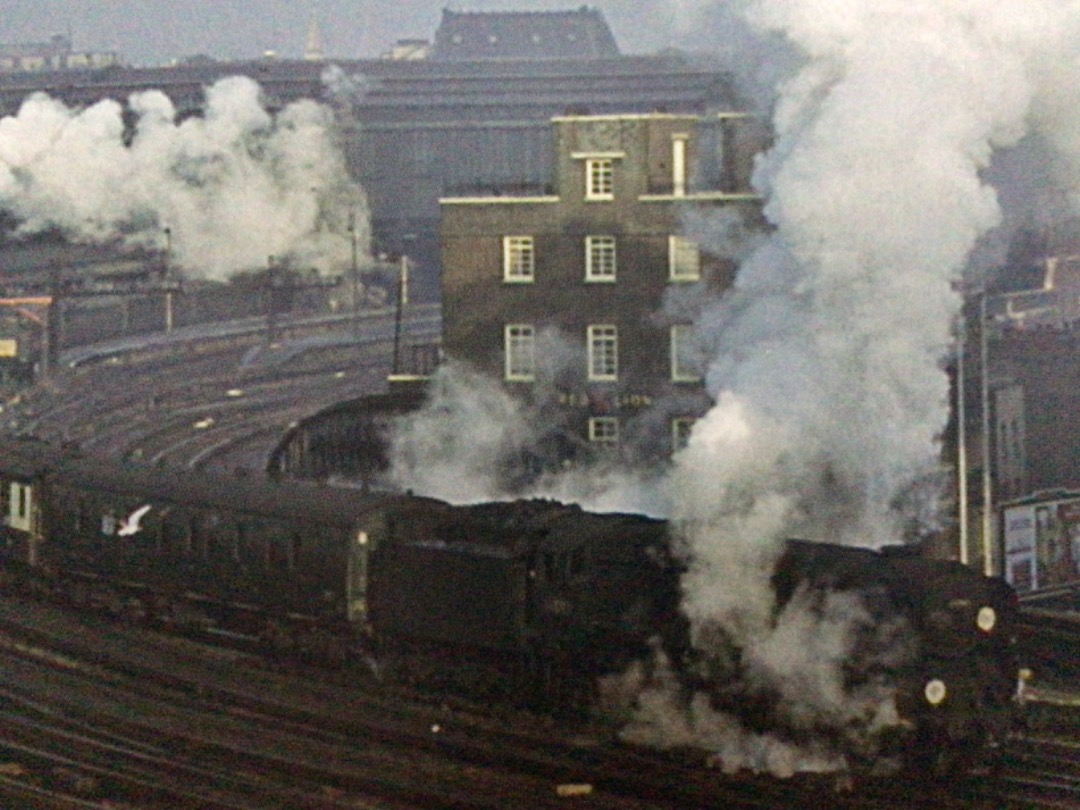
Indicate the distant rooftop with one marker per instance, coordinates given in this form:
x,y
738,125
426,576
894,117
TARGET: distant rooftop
x,y
57,45
55,54
578,34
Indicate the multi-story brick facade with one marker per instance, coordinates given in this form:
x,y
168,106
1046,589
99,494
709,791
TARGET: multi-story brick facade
x,y
573,298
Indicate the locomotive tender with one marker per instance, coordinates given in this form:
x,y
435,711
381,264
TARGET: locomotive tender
x,y
527,596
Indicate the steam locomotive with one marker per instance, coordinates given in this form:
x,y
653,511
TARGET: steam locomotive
x,y
529,597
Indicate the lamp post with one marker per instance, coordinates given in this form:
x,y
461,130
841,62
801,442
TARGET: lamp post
x,y
986,521
271,299
987,460
403,299
355,274
961,442
168,274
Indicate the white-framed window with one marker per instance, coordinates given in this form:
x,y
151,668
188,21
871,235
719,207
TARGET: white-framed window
x,y
599,258
685,360
678,163
519,259
599,179
603,340
519,341
20,497
684,259
680,432
604,429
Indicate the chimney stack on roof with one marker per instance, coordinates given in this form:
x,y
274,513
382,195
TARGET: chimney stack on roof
x,y
313,52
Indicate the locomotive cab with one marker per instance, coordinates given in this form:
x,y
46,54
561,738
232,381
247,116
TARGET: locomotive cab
x,y
597,586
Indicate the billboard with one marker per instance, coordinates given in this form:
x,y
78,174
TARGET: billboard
x,y
1042,543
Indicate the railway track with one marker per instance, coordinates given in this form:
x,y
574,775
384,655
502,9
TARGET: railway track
x,y
1042,771
164,734
339,738
504,764
216,401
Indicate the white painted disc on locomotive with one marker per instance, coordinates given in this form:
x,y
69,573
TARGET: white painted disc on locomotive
x,y
986,619
935,691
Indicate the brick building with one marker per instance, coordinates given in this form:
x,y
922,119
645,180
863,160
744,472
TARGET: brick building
x,y
55,54
580,300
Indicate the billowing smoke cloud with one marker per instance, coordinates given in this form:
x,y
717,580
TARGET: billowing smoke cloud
x,y
462,445
827,357
234,186
827,368
475,441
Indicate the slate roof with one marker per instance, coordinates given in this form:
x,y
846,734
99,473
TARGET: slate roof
x,y
578,34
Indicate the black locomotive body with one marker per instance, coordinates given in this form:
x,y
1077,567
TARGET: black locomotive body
x,y
529,579
940,634
542,593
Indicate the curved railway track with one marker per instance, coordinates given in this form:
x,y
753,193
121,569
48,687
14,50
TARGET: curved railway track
x,y
213,401
146,705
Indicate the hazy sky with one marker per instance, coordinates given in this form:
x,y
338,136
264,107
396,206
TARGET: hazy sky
x,y
148,32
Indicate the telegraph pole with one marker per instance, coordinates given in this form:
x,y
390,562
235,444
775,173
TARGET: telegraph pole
x,y
961,442
403,299
355,273
987,457
168,273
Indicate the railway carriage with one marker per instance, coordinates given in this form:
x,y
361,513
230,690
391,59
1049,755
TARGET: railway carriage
x,y
287,562
23,465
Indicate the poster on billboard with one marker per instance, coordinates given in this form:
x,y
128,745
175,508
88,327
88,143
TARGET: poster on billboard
x,y
1063,560
1021,569
1042,544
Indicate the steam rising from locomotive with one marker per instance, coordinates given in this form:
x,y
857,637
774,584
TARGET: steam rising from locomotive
x,y
233,186
826,364
827,373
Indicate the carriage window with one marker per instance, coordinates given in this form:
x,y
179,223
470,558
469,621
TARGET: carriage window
x,y
559,569
576,562
197,539
270,551
157,531
86,522
247,549
173,538
549,567
237,542
278,549
294,550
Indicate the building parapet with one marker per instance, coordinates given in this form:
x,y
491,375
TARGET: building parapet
x,y
702,196
498,200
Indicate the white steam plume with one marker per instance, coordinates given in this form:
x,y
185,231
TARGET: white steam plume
x,y
234,186
827,371
474,441
456,447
